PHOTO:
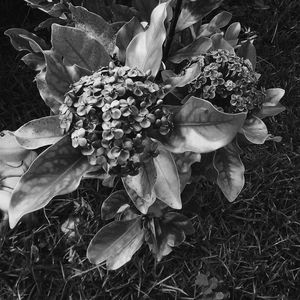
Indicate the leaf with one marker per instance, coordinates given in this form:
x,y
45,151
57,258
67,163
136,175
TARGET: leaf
x,y
194,10
183,163
199,46
21,39
77,48
140,187
180,221
145,7
116,243
218,42
10,150
145,50
126,34
248,51
271,105
34,61
221,19
56,171
96,27
255,130
50,97
190,74
39,132
232,33
199,127
228,164
167,185
115,203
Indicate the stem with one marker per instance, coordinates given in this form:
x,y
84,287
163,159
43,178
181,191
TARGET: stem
x,y
172,28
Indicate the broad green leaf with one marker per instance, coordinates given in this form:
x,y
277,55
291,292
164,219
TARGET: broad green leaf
x,y
199,127
116,243
10,149
271,105
232,33
228,164
140,187
145,7
190,74
199,46
96,27
115,203
34,61
56,171
145,50
126,34
78,48
218,42
255,130
167,185
21,40
248,51
194,10
53,8
39,132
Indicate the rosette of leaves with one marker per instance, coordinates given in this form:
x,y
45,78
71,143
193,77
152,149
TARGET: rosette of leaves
x,y
111,76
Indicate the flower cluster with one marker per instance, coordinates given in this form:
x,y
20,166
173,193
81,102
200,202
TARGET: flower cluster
x,y
228,81
110,114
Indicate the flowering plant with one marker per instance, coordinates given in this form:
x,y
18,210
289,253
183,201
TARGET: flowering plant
x,y
142,93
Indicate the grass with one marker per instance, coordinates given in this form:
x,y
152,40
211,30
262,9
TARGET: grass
x,y
252,246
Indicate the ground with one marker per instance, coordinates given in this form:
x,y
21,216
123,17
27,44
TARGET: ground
x,y
251,246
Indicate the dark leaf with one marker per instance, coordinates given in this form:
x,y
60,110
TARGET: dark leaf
x,y
39,132
201,128
218,42
145,7
190,74
145,50
56,171
194,10
34,61
78,48
21,38
199,46
230,168
180,221
248,51
115,203
116,243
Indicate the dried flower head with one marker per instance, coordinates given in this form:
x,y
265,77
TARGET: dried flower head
x,y
228,81
110,114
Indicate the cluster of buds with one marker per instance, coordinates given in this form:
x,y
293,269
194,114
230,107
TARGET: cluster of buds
x,y
227,81
110,115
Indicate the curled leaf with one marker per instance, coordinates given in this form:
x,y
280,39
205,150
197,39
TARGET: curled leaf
x,y
145,50
248,51
218,42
